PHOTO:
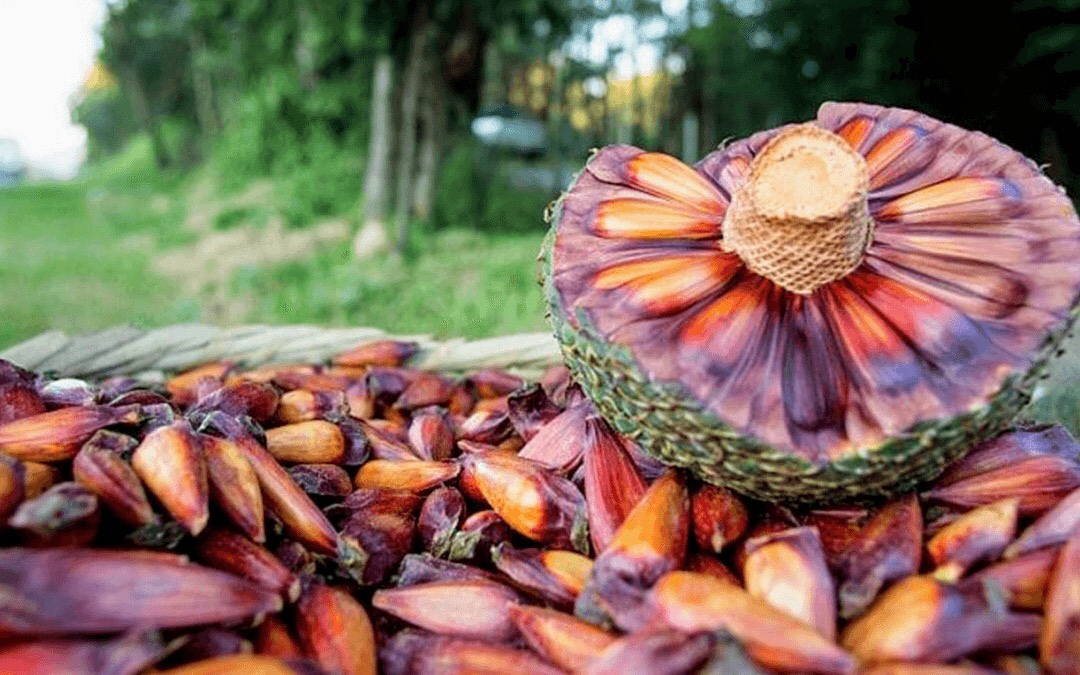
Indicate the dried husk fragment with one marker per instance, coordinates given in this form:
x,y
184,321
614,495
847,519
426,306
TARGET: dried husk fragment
x,y
234,553
788,571
314,442
533,500
530,410
257,400
563,639
980,534
472,609
1059,641
1022,579
381,526
324,481
125,655
440,517
556,382
100,467
421,568
66,591
171,464
1053,527
147,398
613,486
386,383
889,547
650,542
555,576
64,515
693,603
58,434
658,652
431,435
418,476
461,402
923,620
479,533
560,444
357,446
719,517
335,630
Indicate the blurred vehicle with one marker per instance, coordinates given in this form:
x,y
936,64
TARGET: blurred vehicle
x,y
508,128
12,169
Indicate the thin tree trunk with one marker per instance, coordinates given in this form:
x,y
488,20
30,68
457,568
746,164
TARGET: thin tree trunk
x,y
140,103
203,87
373,236
406,156
432,133
303,54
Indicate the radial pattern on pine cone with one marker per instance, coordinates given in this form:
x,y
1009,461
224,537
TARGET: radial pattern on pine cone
x,y
971,266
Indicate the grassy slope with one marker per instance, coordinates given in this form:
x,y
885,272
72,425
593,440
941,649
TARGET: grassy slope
x,y
462,284
65,264
76,256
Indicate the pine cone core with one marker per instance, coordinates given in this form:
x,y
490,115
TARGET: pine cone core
x,y
802,220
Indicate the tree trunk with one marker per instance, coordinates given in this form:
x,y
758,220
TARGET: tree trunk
x,y
432,134
406,156
140,104
303,53
373,237
203,87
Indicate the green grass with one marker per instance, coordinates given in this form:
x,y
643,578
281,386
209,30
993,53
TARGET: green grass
x,y
462,283
68,260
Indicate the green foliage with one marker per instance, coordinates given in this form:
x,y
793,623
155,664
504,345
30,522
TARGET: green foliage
x,y
324,181
460,283
510,210
457,201
108,120
474,192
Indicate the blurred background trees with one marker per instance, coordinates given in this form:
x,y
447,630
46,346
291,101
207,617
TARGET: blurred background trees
x,y
369,105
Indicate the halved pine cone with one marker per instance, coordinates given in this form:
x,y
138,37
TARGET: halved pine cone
x,y
824,310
